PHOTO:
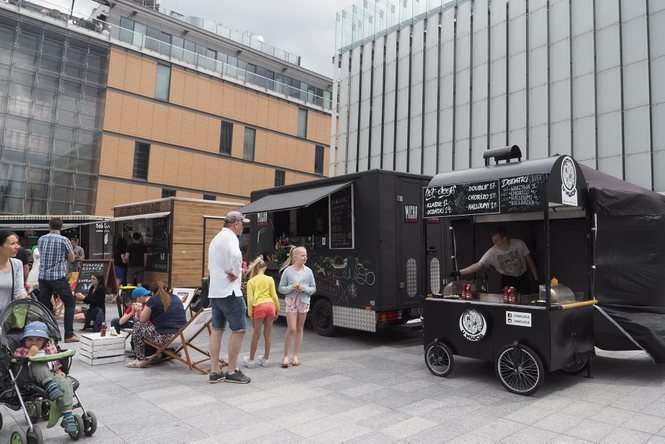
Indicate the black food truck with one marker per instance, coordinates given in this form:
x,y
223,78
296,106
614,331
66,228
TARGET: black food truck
x,y
599,246
550,327
364,234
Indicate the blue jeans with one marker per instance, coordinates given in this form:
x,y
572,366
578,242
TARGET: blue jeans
x,y
62,289
232,309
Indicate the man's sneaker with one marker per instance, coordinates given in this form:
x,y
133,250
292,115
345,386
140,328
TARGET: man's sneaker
x,y
215,377
263,362
237,377
249,363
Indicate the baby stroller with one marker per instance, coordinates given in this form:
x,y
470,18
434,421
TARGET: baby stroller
x,y
17,389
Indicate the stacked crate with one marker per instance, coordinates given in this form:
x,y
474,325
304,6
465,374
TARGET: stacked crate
x,y
96,349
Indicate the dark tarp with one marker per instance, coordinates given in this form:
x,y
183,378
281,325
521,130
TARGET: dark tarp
x,y
630,261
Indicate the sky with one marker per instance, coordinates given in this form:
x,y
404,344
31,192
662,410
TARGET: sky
x,y
303,27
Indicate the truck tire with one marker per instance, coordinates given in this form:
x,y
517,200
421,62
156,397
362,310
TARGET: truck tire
x,y
322,318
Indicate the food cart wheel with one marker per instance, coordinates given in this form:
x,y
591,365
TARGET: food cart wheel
x,y
575,366
439,359
322,318
520,370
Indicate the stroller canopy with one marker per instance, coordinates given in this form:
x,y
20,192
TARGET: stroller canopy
x,y
15,317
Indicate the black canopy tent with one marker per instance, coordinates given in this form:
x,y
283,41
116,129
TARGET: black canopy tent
x,y
630,260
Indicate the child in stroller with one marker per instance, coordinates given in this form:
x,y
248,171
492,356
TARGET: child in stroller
x,y
33,373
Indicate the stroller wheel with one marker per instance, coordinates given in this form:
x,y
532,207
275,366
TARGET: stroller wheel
x,y
34,436
79,428
90,423
17,438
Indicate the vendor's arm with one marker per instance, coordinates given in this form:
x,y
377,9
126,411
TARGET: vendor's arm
x,y
532,267
473,268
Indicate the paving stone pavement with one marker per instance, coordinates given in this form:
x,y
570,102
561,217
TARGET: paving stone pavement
x,y
360,388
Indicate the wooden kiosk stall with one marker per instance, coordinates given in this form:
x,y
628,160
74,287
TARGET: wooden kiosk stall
x,y
544,203
172,230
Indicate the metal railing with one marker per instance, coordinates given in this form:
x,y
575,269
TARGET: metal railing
x,y
148,45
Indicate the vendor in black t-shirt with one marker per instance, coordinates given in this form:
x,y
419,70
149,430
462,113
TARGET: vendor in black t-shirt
x,y
162,316
137,252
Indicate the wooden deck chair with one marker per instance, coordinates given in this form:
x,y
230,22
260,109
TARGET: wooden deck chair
x,y
181,342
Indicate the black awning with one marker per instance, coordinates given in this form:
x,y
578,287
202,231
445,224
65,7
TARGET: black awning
x,y
291,199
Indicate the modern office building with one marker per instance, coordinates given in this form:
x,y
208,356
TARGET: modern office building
x,y
110,103
427,86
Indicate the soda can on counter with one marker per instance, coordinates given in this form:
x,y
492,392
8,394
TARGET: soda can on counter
x,y
466,293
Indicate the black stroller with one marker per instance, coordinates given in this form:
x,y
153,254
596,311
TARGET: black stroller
x,y
17,390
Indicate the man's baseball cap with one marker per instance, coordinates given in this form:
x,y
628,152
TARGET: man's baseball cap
x,y
235,216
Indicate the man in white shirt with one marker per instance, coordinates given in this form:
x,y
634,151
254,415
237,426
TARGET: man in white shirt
x,y
226,299
510,258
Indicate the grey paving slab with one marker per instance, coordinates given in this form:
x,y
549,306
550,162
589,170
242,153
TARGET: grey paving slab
x,y
358,388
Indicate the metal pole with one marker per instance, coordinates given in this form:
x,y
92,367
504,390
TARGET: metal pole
x,y
548,249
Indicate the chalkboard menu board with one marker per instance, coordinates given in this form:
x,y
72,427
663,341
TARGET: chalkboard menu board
x,y
514,194
462,199
341,218
522,193
90,267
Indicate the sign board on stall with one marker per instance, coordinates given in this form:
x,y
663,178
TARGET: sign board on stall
x,y
341,218
518,318
96,266
513,194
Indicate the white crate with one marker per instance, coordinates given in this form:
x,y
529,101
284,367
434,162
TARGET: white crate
x,y
101,361
96,349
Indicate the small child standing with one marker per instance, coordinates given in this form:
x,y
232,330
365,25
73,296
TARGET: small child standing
x,y
262,306
35,342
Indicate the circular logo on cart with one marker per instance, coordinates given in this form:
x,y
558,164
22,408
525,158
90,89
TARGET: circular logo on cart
x,y
473,325
568,175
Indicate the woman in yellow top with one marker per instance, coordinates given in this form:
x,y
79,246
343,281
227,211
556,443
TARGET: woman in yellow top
x,y
263,306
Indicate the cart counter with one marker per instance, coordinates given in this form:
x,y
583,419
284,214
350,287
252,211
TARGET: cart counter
x,y
483,328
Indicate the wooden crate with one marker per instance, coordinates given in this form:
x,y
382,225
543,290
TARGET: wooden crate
x,y
96,349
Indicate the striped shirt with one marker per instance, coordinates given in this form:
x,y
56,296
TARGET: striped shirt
x,y
53,249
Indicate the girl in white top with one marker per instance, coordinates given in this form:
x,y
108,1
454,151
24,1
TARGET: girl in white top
x,y
297,284
11,269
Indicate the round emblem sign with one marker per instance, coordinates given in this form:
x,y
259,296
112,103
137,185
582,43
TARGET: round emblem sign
x,y
473,325
568,174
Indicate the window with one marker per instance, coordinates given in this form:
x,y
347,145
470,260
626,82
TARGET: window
x,y
168,192
302,122
318,159
163,82
209,197
250,140
226,138
280,178
141,160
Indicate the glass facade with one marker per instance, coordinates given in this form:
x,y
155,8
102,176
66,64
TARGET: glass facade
x,y
51,102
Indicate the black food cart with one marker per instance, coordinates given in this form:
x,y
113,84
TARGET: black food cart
x,y
364,234
543,203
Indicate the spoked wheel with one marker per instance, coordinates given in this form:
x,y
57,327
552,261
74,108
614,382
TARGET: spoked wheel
x,y
520,370
80,428
322,318
439,359
34,436
576,365
89,423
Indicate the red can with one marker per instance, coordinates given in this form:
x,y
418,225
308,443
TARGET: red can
x,y
466,294
508,295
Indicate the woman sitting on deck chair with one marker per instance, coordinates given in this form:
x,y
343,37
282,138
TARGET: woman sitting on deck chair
x,y
162,316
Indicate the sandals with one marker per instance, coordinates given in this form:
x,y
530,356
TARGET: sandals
x,y
139,363
294,363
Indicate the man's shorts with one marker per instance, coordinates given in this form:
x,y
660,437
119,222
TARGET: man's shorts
x,y
231,309
295,305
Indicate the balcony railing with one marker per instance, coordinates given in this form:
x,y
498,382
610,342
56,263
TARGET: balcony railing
x,y
145,44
